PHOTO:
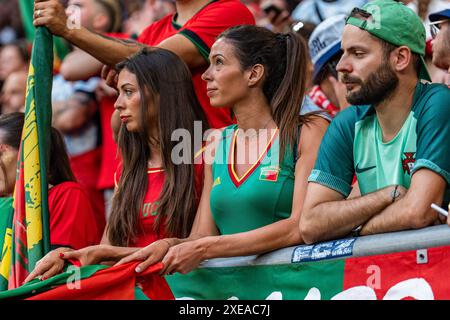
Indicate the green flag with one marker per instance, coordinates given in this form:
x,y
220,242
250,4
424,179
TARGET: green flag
x,y
26,10
31,236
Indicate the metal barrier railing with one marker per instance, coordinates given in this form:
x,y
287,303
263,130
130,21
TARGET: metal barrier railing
x,y
402,241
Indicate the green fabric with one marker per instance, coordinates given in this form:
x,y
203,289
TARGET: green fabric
x,y
42,61
259,200
139,294
288,281
397,24
353,144
31,232
37,286
334,167
26,10
6,216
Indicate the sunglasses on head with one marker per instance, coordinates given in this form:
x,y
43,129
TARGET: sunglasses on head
x,y
435,27
360,14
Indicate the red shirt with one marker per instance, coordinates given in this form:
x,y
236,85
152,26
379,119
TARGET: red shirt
x,y
202,29
149,211
86,168
72,219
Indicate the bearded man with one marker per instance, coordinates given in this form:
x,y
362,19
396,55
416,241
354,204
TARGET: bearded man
x,y
395,137
440,31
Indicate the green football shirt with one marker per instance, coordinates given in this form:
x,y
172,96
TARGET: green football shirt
x,y
353,145
263,195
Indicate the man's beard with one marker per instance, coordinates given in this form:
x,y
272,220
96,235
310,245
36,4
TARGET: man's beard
x,y
377,88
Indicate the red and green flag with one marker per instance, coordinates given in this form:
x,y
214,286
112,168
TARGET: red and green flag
x,y
417,274
31,237
97,282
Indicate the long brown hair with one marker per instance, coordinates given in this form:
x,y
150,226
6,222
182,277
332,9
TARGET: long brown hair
x,y
284,57
164,82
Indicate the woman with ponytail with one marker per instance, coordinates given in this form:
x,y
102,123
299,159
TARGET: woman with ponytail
x,y
254,189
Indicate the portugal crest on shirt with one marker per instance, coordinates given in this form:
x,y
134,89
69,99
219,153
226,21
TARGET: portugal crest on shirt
x,y
269,174
408,162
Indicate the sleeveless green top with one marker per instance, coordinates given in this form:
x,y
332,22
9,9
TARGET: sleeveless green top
x,y
263,195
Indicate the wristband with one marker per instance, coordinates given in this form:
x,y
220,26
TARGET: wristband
x,y
356,231
395,193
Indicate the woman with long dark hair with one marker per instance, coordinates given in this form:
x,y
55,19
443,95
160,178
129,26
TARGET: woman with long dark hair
x,y
154,198
72,220
254,190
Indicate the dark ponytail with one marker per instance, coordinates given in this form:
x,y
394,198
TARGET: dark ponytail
x,y
284,57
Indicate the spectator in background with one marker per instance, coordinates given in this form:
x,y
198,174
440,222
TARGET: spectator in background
x,y
71,218
14,92
13,57
76,115
440,26
100,16
148,12
303,28
325,51
103,17
316,11
274,15
395,137
423,8
11,27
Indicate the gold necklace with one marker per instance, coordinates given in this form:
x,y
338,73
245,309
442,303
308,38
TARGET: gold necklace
x,y
257,130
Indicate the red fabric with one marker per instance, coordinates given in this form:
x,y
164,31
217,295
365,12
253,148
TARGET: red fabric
x,y
72,219
320,99
115,283
207,24
86,168
398,267
429,48
149,211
